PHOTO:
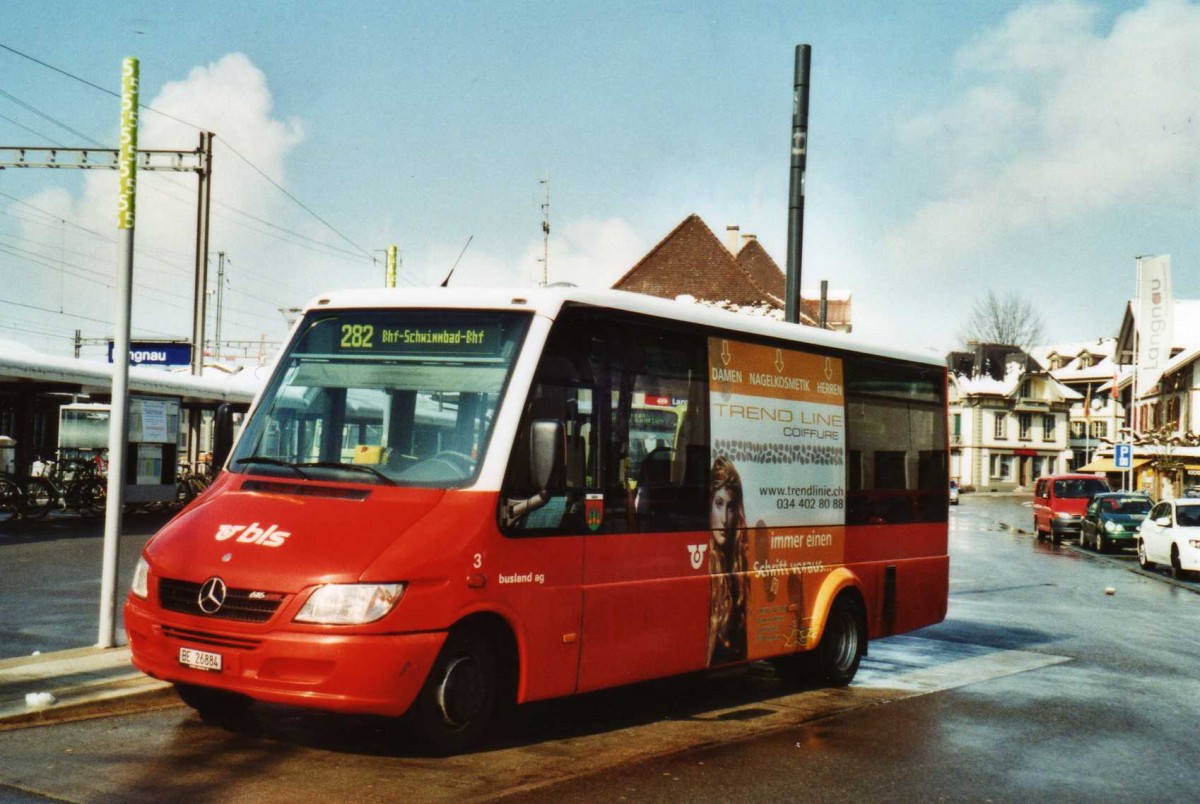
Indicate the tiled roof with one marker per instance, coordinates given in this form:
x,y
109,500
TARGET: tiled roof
x,y
691,260
755,261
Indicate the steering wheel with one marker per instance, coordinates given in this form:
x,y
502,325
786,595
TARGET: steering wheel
x,y
440,467
460,461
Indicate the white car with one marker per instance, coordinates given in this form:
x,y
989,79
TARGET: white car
x,y
1170,535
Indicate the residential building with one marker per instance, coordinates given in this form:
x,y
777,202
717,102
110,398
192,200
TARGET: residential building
x,y
1009,419
738,275
1164,423
1089,369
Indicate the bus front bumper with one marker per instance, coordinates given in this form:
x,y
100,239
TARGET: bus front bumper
x,y
372,674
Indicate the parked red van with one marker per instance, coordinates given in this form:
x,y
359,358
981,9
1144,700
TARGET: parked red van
x,y
1059,502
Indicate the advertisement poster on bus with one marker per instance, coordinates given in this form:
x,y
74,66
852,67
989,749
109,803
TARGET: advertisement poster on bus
x,y
778,492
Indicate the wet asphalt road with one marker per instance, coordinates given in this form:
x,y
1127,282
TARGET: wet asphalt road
x,y
1047,688
50,579
1116,722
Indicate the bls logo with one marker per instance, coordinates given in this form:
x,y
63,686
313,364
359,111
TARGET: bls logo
x,y
253,534
696,551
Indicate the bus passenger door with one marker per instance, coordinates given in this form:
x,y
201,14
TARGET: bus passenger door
x,y
645,568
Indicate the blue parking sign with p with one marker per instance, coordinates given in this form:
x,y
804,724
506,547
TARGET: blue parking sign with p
x,y
1123,456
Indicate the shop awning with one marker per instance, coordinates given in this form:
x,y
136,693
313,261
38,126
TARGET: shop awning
x,y
1107,465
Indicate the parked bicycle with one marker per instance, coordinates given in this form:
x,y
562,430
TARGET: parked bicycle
x,y
72,483
191,480
22,497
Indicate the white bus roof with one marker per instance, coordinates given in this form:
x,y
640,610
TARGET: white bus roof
x,y
549,301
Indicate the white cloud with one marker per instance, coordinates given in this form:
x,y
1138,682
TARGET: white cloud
x,y
1061,121
230,97
587,252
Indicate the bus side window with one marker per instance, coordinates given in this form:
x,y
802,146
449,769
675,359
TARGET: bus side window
x,y
891,411
665,432
562,393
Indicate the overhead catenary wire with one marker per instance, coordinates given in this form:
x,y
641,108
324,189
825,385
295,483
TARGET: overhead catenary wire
x,y
181,121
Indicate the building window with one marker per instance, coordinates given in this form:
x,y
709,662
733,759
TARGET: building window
x,y
1079,429
1001,426
1049,424
956,425
1099,429
1001,468
1026,388
1025,425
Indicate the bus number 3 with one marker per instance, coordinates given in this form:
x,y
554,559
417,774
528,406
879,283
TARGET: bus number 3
x,y
478,560
357,336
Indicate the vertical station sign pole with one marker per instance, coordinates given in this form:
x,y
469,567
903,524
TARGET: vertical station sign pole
x,y
795,245
118,430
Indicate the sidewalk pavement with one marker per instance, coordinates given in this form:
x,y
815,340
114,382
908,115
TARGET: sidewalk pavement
x,y
74,685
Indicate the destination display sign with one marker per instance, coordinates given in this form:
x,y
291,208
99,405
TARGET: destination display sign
x,y
472,339
407,335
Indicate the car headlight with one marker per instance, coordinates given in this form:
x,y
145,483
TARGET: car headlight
x,y
140,585
1112,527
1194,543
351,603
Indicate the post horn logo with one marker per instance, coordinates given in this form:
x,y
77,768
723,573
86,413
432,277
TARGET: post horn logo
x,y
212,595
696,551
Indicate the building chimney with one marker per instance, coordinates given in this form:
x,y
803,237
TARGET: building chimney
x,y
731,239
747,239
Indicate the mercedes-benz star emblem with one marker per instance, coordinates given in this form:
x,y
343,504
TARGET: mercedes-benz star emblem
x,y
212,596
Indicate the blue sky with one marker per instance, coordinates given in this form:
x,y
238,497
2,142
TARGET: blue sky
x,y
955,148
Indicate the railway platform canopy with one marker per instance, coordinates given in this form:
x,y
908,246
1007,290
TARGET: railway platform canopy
x,y
35,387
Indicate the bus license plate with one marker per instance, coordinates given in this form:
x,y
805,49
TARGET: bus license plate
x,y
200,659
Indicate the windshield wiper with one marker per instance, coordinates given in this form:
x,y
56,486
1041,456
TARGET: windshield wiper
x,y
263,459
352,467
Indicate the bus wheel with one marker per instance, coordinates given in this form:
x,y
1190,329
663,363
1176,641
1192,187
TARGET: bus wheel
x,y
227,710
457,703
834,662
843,643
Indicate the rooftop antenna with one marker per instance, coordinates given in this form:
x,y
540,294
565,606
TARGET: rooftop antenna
x,y
446,281
546,232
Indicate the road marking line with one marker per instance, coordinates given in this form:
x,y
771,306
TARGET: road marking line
x,y
968,664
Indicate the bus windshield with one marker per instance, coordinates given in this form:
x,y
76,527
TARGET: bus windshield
x,y
392,397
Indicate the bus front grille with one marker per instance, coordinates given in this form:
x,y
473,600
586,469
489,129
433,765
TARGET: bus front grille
x,y
243,605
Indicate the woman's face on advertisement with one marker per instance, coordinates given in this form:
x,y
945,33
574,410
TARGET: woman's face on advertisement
x,y
722,512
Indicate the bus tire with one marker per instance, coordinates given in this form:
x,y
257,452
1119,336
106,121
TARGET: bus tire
x,y
834,662
228,710
458,701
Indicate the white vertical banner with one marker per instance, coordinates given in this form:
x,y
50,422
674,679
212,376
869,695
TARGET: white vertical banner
x,y
1154,320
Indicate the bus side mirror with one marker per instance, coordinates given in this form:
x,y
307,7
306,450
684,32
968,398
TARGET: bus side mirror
x,y
547,448
222,436
547,454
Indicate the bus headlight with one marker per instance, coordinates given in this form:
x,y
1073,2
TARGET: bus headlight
x,y
351,603
140,585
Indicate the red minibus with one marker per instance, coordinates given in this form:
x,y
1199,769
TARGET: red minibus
x,y
445,502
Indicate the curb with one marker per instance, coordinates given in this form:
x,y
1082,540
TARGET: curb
x,y
82,683
1135,569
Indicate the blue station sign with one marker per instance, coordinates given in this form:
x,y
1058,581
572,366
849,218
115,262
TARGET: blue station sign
x,y
156,353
